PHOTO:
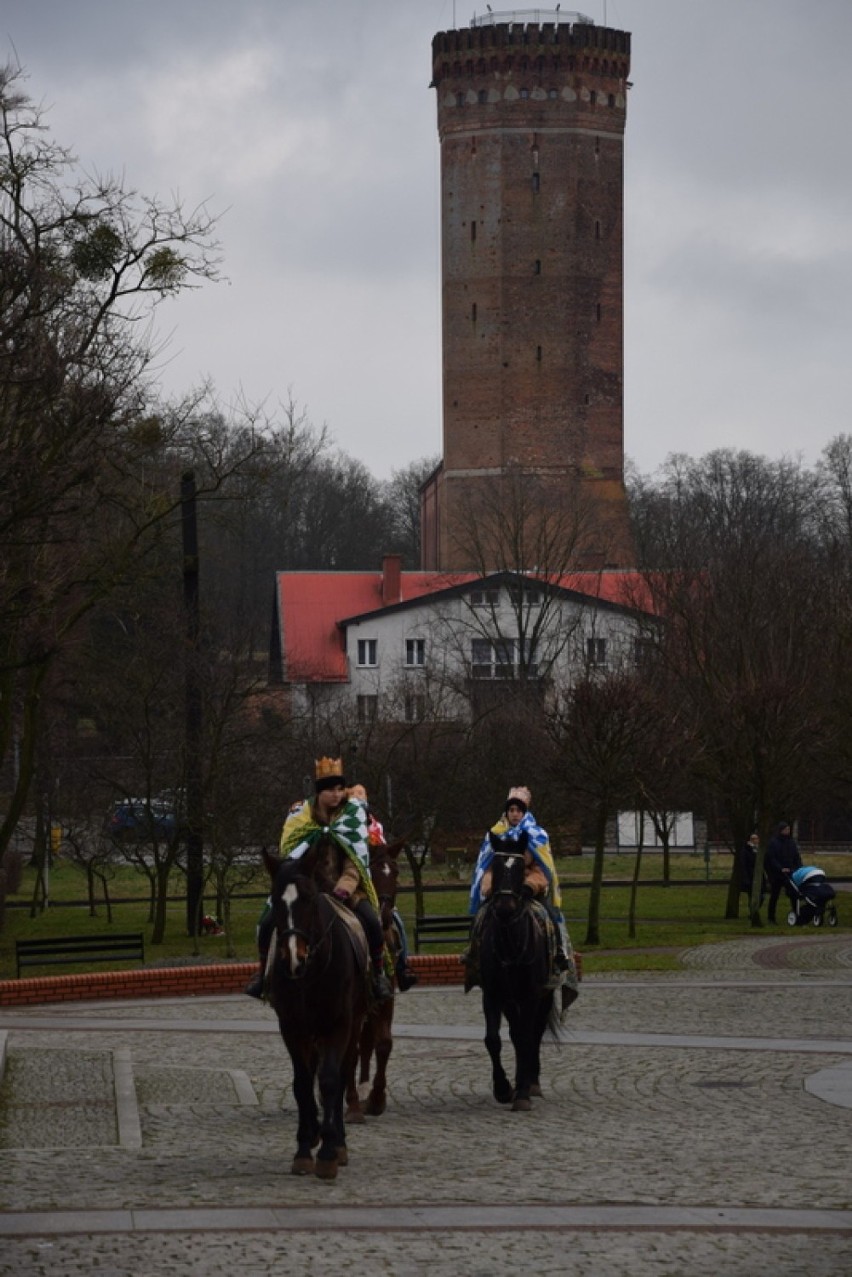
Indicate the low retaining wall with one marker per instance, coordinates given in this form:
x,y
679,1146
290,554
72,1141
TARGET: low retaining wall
x,y
188,981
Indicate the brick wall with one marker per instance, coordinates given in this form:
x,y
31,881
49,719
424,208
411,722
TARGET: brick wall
x,y
184,982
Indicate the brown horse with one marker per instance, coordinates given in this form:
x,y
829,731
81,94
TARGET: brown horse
x,y
317,988
376,1034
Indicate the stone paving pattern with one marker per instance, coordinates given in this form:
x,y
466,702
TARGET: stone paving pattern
x,y
621,1124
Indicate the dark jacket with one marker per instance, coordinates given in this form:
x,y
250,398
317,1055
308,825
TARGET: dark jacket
x,y
782,852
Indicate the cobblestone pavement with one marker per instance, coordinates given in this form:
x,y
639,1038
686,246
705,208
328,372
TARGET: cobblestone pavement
x,y
694,1122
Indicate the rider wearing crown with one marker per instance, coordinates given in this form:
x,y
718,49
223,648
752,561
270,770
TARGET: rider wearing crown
x,y
334,813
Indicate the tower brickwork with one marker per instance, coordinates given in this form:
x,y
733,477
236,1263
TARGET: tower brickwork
x,y
531,121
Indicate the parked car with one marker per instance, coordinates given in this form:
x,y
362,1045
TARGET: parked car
x,y
137,820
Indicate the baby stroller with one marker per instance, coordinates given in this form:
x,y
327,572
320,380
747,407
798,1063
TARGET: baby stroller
x,y
811,898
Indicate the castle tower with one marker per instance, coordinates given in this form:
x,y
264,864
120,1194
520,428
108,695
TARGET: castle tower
x,y
531,122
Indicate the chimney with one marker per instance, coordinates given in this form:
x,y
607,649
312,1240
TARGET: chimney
x,y
391,579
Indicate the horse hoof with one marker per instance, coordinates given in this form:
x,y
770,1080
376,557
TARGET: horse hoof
x,y
343,1156
302,1166
521,1106
503,1095
354,1117
375,1108
326,1169
535,1091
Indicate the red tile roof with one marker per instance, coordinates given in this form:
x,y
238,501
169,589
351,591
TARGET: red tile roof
x,y
311,606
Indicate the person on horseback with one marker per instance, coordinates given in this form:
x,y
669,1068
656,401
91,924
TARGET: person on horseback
x,y
332,813
405,977
540,878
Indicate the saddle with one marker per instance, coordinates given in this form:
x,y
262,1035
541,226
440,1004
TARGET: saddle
x,y
354,930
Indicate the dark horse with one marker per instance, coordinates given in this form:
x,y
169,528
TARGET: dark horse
x,y
376,1035
514,972
317,988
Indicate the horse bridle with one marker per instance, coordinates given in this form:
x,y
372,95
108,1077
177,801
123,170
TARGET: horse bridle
x,y
311,948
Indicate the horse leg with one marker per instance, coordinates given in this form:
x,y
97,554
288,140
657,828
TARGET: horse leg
x,y
500,1085
330,1077
520,1032
306,1136
366,1048
383,1045
354,1112
541,1019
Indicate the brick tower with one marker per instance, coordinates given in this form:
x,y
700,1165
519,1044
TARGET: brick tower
x,y
531,122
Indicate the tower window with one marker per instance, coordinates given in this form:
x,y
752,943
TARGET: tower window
x,y
459,99
473,233
552,93
537,267
597,230
593,97
538,353
482,96
598,312
597,146
610,101
524,93
473,312
536,183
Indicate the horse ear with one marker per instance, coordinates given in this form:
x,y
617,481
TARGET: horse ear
x,y
523,839
273,863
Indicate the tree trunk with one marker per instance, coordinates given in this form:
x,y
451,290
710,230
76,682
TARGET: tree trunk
x,y
634,885
593,925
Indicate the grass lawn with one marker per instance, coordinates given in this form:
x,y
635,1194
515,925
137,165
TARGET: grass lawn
x,y
688,912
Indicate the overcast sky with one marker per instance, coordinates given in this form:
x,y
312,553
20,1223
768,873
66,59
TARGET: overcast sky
x,y
309,123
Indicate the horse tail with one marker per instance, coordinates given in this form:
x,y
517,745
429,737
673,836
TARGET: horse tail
x,y
553,1028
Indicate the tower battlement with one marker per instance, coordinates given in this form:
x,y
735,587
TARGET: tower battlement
x,y
583,46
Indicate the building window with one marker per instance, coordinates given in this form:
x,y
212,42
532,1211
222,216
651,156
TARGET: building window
x,y
459,99
536,183
524,93
473,232
598,312
538,353
593,97
482,96
537,267
415,651
502,658
368,709
525,594
597,230
484,598
415,708
643,653
473,312
596,653
552,94
368,652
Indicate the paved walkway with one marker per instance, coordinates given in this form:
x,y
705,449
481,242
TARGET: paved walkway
x,y
695,1122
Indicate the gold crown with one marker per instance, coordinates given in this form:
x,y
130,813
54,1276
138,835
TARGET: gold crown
x,y
326,767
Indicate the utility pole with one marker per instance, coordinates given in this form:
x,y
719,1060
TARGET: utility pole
x,y
194,800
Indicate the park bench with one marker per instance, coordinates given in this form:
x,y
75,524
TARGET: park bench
x,y
67,950
443,928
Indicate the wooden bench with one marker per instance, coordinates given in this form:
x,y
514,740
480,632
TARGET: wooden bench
x,y
67,950
442,928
